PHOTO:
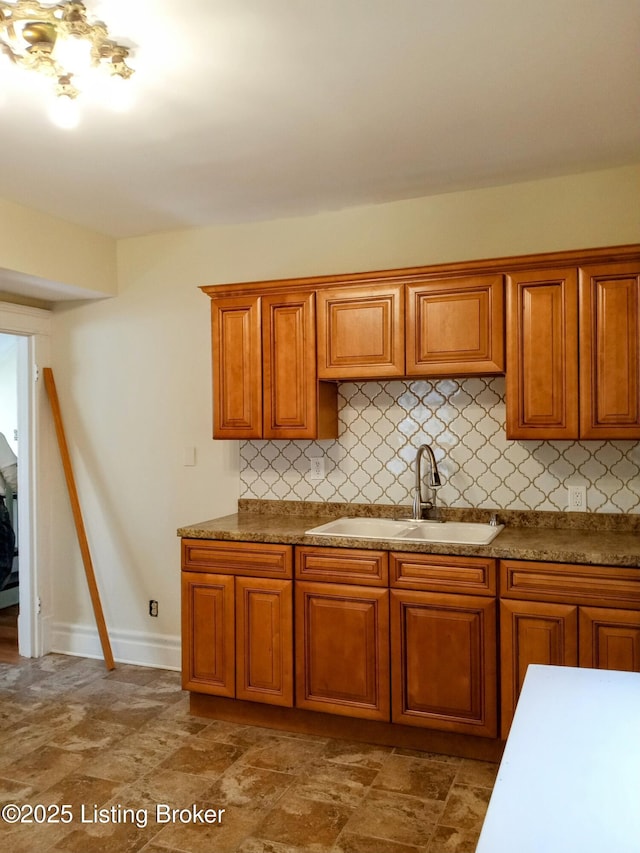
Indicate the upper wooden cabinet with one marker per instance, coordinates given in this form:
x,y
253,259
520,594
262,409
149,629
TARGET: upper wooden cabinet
x,y
542,354
237,367
295,405
572,342
361,332
264,369
432,327
610,351
455,327
573,357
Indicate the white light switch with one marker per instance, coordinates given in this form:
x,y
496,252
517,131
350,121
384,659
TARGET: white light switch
x,y
189,456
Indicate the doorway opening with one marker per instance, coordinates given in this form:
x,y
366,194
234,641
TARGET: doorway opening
x,y
9,529
30,329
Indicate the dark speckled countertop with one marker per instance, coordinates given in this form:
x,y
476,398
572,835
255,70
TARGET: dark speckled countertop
x,y
595,538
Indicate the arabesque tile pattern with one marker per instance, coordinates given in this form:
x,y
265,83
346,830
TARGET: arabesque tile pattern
x,y
104,743
383,423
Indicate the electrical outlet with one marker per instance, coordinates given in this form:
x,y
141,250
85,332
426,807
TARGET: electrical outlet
x,y
153,607
316,468
577,498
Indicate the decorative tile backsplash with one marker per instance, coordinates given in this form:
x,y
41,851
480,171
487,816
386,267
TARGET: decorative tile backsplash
x,y
383,423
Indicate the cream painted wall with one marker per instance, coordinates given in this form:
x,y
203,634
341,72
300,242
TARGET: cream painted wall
x,y
50,255
133,372
573,212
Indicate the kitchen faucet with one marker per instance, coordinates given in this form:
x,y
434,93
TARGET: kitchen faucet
x,y
419,505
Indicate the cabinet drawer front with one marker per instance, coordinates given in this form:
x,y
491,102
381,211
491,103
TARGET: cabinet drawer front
x,y
475,575
343,565
609,586
361,332
255,559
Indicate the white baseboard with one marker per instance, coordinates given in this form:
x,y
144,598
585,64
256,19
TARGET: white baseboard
x,y
134,647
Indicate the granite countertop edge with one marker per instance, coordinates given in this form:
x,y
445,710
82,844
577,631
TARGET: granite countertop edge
x,y
614,544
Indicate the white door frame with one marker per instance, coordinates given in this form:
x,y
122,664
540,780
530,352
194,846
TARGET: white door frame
x,y
33,325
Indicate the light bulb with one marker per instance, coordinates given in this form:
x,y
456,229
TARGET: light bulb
x,y
73,54
64,112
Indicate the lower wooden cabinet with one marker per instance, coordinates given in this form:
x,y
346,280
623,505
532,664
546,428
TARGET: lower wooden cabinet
x,y
572,630
609,639
395,637
238,637
208,633
531,632
443,649
342,649
264,640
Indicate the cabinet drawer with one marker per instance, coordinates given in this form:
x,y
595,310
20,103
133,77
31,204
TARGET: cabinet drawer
x,y
343,565
474,575
254,559
607,586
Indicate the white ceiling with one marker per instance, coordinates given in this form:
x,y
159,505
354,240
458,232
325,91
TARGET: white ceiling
x,y
254,109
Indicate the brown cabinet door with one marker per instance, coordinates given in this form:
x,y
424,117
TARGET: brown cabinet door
x,y
610,639
443,649
533,633
455,327
264,640
294,404
361,332
208,655
542,354
610,351
342,649
237,367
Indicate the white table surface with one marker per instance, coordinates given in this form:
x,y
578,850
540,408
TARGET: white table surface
x,y
569,779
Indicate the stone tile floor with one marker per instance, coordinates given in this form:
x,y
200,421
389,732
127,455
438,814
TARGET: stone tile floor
x,y
116,747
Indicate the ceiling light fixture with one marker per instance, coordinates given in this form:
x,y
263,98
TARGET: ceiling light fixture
x,y
60,42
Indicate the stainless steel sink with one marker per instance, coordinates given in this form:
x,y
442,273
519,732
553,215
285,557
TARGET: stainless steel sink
x,y
410,530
